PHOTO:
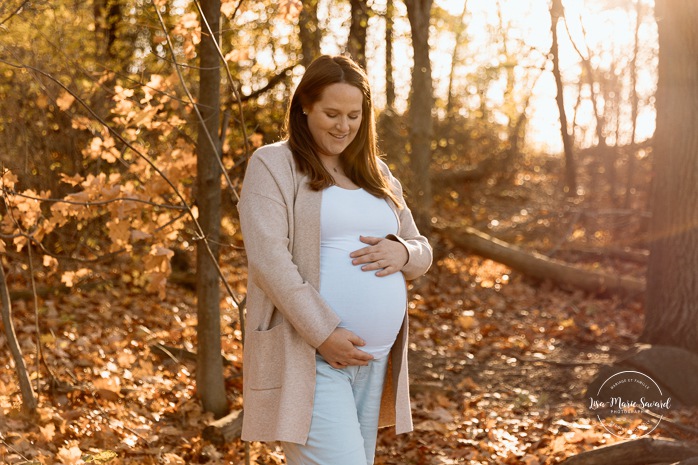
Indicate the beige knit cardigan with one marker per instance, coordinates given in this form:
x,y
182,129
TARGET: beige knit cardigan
x,y
287,319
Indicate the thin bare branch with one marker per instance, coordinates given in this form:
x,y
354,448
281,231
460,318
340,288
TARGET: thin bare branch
x,y
105,124
29,400
117,135
9,447
39,354
97,203
209,136
237,8
231,81
14,13
271,83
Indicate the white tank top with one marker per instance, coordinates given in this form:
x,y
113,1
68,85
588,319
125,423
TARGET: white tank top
x,y
372,307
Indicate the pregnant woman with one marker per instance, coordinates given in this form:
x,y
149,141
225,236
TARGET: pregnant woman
x,y
330,243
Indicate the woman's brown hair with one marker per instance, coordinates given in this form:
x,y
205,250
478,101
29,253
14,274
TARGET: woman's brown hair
x,y
360,158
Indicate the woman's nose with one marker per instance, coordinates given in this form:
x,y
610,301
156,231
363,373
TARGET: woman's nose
x,y
343,124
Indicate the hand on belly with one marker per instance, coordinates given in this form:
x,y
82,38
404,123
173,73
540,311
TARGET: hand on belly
x,y
382,254
340,349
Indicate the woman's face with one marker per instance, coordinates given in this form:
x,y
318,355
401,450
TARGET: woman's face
x,y
335,119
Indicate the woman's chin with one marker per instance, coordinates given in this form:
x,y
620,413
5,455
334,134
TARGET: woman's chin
x,y
334,151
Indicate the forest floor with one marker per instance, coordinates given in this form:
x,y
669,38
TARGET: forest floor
x,y
499,362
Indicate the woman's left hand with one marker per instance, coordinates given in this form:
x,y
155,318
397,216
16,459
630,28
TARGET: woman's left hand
x,y
382,254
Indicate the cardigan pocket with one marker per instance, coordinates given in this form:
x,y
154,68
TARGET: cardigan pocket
x,y
266,358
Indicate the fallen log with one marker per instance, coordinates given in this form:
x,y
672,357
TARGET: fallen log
x,y
691,461
458,176
621,253
641,451
46,291
224,429
539,266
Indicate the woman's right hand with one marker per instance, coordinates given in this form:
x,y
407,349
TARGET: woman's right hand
x,y
340,349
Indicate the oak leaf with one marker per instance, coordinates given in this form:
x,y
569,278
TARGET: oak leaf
x,y
70,455
50,262
8,180
69,278
290,9
48,432
65,100
228,7
72,180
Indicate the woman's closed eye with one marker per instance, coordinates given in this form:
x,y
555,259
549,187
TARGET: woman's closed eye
x,y
334,115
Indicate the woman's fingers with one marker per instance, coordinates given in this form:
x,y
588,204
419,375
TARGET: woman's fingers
x,y
384,255
365,254
340,349
372,240
387,271
360,360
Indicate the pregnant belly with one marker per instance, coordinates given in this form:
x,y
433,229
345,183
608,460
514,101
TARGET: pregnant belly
x,y
372,307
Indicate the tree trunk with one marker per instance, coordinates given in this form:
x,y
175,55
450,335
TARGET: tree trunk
x,y
608,158
113,50
29,401
516,134
539,266
556,11
309,31
356,44
671,314
634,103
107,15
460,31
209,373
420,119
389,82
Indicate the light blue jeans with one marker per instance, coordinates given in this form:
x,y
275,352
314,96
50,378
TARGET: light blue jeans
x,y
344,425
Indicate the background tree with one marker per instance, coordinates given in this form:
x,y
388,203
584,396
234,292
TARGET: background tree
x,y
309,31
389,81
634,102
108,15
556,12
356,44
420,113
671,316
209,378
457,46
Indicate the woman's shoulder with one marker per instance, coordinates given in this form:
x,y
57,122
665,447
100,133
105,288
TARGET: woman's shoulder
x,y
273,162
276,153
276,158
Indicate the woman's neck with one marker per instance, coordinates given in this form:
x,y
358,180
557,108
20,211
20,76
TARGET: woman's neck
x,y
333,165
